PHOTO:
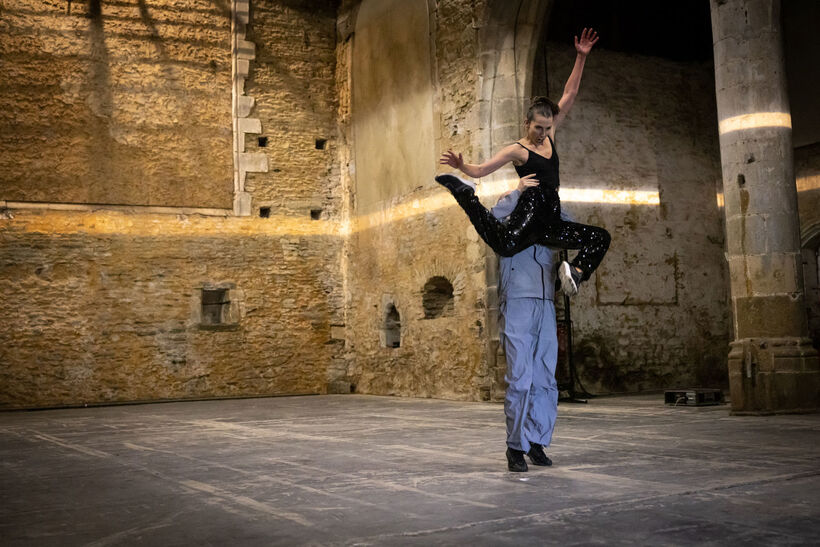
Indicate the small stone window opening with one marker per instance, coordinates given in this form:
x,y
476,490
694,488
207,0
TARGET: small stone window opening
x,y
392,327
215,306
264,212
315,214
321,144
437,298
263,142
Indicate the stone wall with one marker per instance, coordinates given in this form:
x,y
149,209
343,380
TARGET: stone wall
x,y
656,314
106,307
118,103
294,83
392,93
105,303
391,298
411,237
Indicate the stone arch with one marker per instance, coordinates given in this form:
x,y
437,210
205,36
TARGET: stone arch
x,y
810,235
508,40
810,249
437,297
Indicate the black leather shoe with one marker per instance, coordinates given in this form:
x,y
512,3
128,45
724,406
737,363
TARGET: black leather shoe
x,y
455,184
515,460
537,455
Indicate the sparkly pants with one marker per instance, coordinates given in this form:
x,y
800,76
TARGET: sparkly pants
x,y
537,219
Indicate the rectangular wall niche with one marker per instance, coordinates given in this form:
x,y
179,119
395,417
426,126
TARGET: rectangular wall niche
x,y
215,304
218,308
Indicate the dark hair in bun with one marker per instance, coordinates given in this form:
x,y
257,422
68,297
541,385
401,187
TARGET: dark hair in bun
x,y
543,106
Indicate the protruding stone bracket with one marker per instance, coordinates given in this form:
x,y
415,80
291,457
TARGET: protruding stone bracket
x,y
247,125
251,163
242,53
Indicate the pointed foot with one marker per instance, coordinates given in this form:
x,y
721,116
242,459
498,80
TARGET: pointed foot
x,y
456,185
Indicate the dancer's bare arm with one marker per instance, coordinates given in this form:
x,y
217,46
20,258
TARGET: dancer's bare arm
x,y
582,49
506,155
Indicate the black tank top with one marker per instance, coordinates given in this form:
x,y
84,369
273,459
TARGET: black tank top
x,y
545,169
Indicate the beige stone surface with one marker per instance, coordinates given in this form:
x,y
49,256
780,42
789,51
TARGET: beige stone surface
x,y
104,307
293,80
392,101
442,357
105,303
417,233
127,105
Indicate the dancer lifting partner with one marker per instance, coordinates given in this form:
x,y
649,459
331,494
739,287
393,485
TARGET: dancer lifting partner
x,y
537,216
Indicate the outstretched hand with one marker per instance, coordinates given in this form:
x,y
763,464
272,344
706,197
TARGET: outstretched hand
x,y
450,158
588,39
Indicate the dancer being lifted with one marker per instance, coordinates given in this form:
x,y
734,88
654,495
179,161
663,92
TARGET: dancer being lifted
x,y
537,216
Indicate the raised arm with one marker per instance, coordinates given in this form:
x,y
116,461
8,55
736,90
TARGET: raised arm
x,y
505,156
582,48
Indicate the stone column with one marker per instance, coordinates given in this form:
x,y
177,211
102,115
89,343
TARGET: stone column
x,y
772,365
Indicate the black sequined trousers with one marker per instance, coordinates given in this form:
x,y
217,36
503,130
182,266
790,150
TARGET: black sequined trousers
x,y
537,219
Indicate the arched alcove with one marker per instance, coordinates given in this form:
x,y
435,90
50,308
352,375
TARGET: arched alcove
x,y
391,327
508,40
810,250
437,298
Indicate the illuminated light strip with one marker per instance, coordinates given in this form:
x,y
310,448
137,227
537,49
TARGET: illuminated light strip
x,y
582,195
496,187
442,200
114,222
614,197
755,121
720,202
804,184
401,211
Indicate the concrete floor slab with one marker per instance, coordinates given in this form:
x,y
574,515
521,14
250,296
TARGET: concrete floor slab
x,y
360,470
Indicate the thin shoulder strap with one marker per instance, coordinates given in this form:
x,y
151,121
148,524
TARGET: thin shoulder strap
x,y
522,146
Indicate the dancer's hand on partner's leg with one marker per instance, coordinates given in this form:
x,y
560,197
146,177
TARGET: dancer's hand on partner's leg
x,y
527,182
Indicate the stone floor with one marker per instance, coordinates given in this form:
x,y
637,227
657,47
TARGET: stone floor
x,y
360,470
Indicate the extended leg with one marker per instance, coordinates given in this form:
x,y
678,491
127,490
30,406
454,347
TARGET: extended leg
x,y
592,243
535,219
510,236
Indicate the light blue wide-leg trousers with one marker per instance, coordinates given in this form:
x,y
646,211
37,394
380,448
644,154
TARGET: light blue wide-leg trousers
x,y
531,344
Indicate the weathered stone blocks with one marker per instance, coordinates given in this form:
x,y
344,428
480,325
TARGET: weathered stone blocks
x,y
773,375
762,229
118,107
